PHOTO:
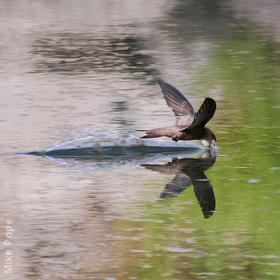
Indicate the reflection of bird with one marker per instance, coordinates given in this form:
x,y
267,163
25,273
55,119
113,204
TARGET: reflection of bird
x,y
189,125
189,171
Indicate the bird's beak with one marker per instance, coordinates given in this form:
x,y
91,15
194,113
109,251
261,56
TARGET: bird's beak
x,y
213,144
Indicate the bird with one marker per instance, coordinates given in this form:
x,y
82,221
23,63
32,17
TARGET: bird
x,y
189,171
189,125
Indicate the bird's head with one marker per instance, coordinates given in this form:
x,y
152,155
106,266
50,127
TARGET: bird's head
x,y
209,139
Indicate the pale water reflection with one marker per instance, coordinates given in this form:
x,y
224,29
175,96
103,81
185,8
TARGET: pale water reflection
x,y
75,54
77,79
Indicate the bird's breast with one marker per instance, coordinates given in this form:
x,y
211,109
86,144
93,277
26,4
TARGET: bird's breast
x,y
191,135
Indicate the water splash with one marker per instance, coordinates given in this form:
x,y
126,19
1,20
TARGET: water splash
x,y
101,150
101,140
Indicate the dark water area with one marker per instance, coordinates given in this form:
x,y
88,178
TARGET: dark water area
x,y
83,196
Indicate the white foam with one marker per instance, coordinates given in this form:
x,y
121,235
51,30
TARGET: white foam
x,y
111,140
130,157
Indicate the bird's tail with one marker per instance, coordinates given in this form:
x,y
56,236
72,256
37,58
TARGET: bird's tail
x,y
156,132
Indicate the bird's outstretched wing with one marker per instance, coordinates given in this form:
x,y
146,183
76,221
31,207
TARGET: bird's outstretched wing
x,y
181,107
204,114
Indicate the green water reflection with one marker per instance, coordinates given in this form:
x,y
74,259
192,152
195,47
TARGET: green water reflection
x,y
171,239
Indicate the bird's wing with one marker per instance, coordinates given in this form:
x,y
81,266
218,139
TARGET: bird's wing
x,y
181,107
204,114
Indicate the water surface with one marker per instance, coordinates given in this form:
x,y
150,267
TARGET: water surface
x,y
97,202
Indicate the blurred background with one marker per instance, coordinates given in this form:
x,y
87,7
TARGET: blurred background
x,y
83,75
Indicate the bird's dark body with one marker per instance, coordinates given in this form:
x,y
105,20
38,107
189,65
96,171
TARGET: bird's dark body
x,y
175,133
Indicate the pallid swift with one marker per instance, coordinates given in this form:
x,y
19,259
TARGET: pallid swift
x,y
189,125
